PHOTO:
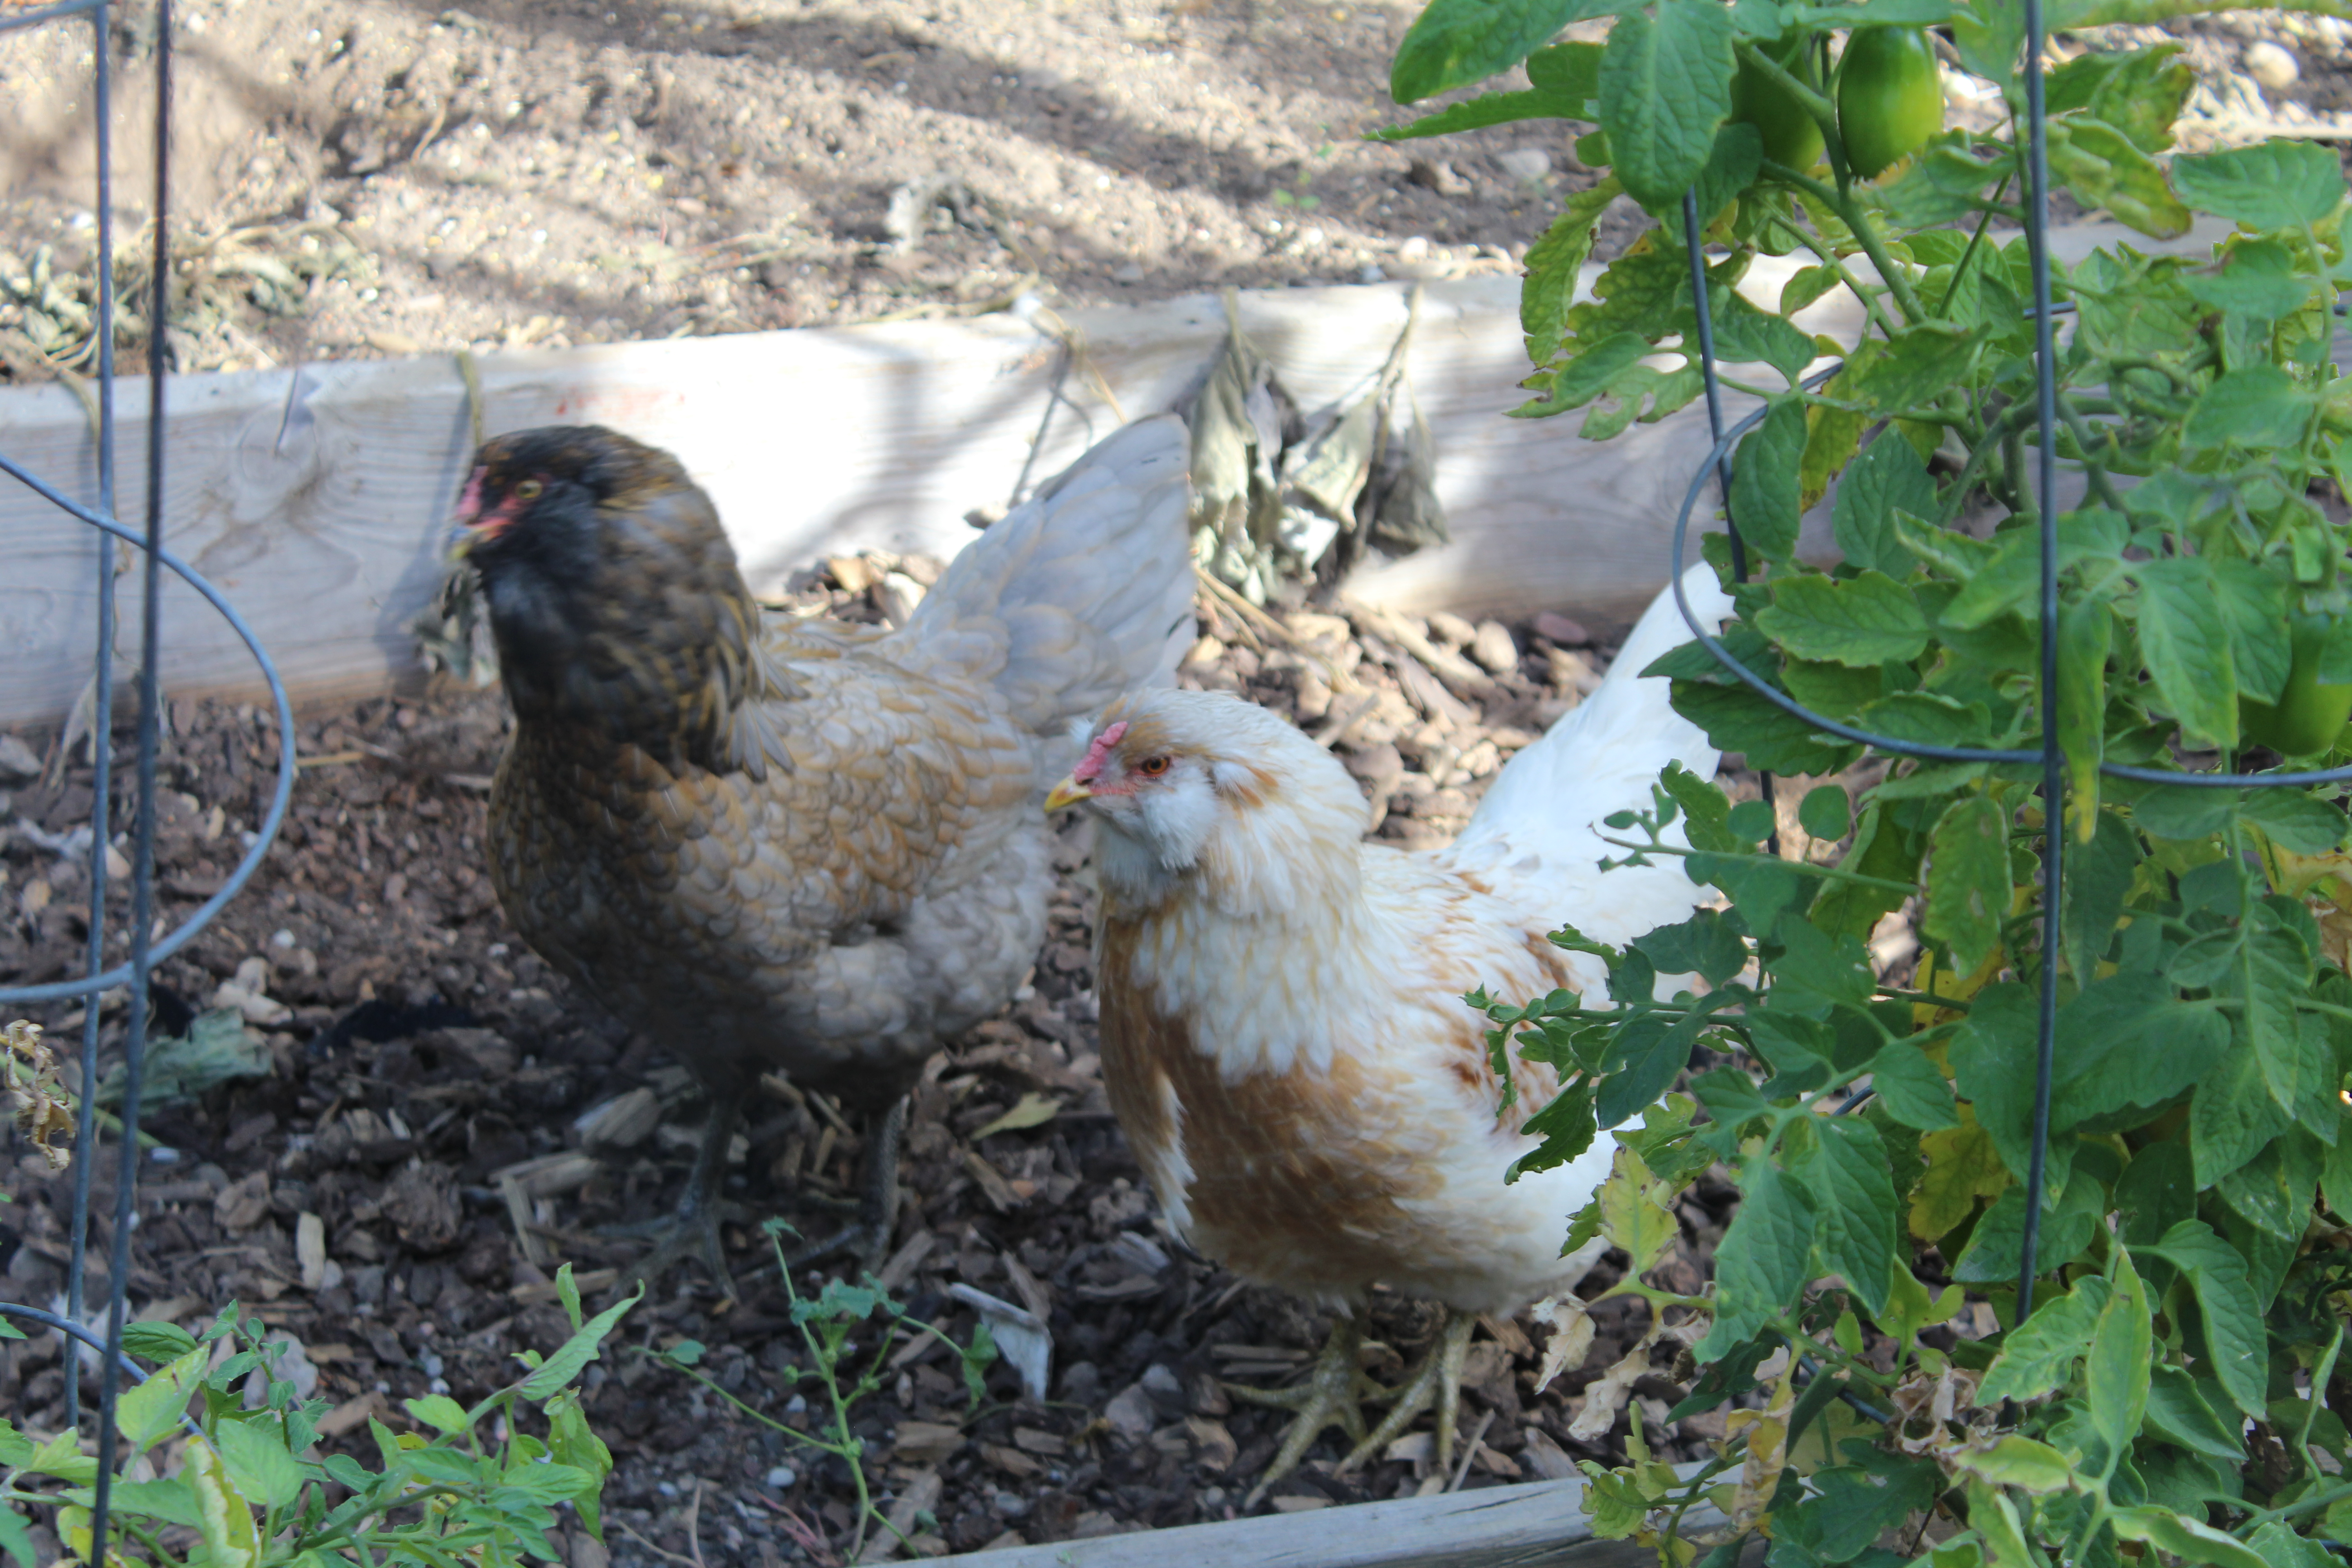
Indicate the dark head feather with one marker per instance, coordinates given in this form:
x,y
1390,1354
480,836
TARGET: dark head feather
x,y
612,591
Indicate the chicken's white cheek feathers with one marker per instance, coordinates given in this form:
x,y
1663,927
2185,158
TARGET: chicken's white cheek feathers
x,y
1179,812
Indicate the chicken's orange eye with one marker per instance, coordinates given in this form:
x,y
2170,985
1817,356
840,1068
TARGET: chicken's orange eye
x,y
1152,767
530,489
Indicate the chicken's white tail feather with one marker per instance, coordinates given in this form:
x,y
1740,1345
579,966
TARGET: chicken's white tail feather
x,y
1082,592
1536,838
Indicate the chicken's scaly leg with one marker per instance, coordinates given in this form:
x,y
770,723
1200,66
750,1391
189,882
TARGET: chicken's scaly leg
x,y
693,1230
1438,1379
877,1218
1332,1395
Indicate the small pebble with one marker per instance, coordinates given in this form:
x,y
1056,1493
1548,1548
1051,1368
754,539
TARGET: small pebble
x,y
430,1364
796,1404
1524,164
781,1477
1493,648
1416,248
1371,274
666,1488
1561,629
165,1156
2272,65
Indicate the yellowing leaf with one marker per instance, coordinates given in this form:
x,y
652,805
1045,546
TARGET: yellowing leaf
x,y
1768,1452
2018,1462
146,1415
2190,1539
1033,1111
231,1538
1632,1218
1962,1166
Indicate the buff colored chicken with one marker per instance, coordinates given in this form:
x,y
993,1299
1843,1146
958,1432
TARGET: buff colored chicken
x,y
1284,1034
776,843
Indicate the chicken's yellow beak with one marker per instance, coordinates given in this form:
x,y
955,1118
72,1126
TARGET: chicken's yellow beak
x,y
1069,792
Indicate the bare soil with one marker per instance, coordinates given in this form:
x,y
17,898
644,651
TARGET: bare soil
x,y
419,1055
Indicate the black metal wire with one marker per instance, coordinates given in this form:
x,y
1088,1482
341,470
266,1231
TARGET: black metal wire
x,y
75,1331
142,862
1706,320
2053,762
102,728
146,950
280,796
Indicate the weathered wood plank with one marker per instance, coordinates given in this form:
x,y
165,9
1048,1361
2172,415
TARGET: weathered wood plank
x,y
316,497
1537,1524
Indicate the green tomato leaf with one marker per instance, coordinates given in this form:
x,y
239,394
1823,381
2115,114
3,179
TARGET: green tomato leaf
x,y
1477,113
2115,1376
550,1378
1861,621
1886,478
1913,368
1763,1261
1855,1230
1456,42
2139,93
1553,264
2178,1413
2277,184
439,1412
157,1342
1665,87
1826,811
2233,1117
1764,482
2258,407
2105,168
2126,1041
1737,720
2237,1348
2039,1355
1911,1089
1968,889
2185,639
2296,821
259,1464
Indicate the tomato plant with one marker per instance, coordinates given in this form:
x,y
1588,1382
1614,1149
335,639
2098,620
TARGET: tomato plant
x,y
1890,96
2309,716
2176,1390
1789,133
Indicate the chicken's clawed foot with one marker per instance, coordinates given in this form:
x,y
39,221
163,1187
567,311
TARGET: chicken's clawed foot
x,y
867,1239
1333,1395
692,1231
1336,1390
1438,1380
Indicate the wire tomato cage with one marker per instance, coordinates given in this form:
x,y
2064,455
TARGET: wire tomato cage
x,y
2047,753
146,947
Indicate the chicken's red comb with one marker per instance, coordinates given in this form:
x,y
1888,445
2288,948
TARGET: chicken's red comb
x,y
1098,752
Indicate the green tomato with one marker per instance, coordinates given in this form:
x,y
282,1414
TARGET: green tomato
x,y
1890,99
1791,136
2308,718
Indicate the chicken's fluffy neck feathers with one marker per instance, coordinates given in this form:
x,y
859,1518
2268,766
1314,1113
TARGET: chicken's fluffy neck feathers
x,y
1273,897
